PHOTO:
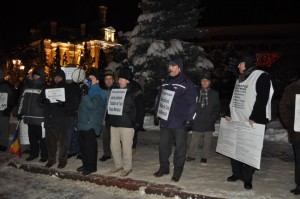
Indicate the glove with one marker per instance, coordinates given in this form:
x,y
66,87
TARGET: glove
x,y
107,124
156,120
84,89
60,103
188,125
137,127
46,101
20,116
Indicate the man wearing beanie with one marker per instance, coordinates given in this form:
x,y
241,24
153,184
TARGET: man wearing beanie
x,y
251,102
8,99
208,110
90,118
175,119
123,126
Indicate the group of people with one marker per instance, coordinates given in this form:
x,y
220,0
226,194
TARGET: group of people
x,y
181,107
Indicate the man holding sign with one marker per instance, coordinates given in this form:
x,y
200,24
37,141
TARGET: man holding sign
x,y
251,102
176,108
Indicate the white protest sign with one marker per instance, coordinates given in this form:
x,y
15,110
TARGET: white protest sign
x,y
23,130
3,101
240,141
297,114
165,103
55,94
116,101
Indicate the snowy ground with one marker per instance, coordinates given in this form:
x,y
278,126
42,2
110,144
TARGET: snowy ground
x,y
274,180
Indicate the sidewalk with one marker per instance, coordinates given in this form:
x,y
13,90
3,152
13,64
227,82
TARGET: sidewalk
x,y
197,181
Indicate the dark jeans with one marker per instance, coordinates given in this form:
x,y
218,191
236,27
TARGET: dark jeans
x,y
242,170
36,141
296,148
89,149
167,137
135,139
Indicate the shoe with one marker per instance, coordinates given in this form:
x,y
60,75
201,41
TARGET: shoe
x,y
49,164
134,151
26,151
80,169
85,173
79,156
115,170
232,178
61,166
71,155
30,158
175,179
160,173
125,172
296,191
188,159
203,161
3,148
104,158
43,160
247,185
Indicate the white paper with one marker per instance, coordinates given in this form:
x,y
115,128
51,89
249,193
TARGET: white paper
x,y
55,94
241,141
165,103
23,132
3,101
68,71
116,101
297,114
43,130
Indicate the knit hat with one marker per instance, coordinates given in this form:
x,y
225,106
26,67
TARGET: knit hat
x,y
109,73
125,73
40,72
176,62
59,73
95,72
249,60
206,75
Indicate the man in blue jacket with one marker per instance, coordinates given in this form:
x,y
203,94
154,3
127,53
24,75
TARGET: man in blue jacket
x,y
176,108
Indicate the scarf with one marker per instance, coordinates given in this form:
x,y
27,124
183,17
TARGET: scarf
x,y
203,99
245,74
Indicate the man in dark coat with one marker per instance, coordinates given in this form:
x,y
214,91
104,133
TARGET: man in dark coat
x,y
289,111
174,116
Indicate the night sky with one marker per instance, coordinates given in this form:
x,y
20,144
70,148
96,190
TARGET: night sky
x,y
17,17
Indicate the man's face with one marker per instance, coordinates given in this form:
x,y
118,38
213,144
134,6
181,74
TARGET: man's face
x,y
109,81
242,67
57,79
123,82
93,79
173,70
205,83
36,76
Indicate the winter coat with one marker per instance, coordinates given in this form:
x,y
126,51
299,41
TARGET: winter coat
x,y
207,115
183,106
7,87
287,110
133,109
30,105
92,109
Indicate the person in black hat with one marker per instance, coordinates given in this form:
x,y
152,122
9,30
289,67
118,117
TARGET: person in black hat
x,y
176,115
208,110
123,126
251,102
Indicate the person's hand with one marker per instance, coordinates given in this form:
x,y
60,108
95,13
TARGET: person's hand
x,y
227,118
46,101
156,120
60,103
251,122
107,123
188,125
84,89
20,116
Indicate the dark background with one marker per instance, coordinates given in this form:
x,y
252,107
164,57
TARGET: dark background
x,y
17,17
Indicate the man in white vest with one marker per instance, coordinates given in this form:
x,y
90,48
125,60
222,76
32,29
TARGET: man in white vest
x,y
251,101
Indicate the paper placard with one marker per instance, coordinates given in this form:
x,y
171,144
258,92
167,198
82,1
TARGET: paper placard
x,y
116,101
297,114
23,130
165,103
55,94
240,141
3,101
68,71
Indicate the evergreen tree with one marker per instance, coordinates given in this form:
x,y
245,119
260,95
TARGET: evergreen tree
x,y
86,60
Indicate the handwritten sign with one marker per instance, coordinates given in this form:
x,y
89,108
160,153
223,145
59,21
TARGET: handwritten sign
x,y
55,94
3,101
165,103
297,114
116,101
68,71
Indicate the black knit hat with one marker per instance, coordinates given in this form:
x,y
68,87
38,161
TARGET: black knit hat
x,y
59,73
125,73
40,72
109,73
95,72
249,60
206,75
176,62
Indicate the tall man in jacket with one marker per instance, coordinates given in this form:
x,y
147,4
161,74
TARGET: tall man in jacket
x,y
179,94
289,110
254,106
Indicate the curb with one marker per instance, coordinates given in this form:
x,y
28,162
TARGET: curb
x,y
123,183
